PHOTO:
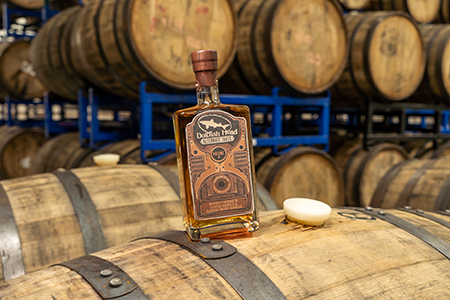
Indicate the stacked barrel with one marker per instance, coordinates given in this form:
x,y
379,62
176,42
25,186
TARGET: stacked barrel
x,y
306,47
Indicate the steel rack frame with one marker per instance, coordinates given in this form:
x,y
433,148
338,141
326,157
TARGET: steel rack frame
x,y
64,124
98,132
393,122
273,131
9,10
46,119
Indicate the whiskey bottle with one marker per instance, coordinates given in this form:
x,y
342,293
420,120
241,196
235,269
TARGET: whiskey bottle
x,y
215,159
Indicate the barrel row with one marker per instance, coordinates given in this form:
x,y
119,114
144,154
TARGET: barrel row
x,y
18,148
36,4
88,46
404,254
114,45
422,11
387,176
118,204
299,173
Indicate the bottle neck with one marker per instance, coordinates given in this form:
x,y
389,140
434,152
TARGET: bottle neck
x,y
208,95
207,87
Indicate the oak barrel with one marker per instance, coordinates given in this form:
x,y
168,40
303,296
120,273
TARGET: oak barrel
x,y
354,4
436,82
131,201
296,44
302,172
18,77
422,184
353,256
62,151
18,148
387,57
122,148
420,149
54,4
442,151
150,41
444,13
51,56
134,157
423,11
363,170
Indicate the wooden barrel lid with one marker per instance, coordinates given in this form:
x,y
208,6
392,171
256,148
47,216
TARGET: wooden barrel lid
x,y
303,172
309,43
46,153
442,151
18,147
387,56
30,4
444,14
18,76
50,55
419,149
396,57
164,34
354,4
372,168
423,11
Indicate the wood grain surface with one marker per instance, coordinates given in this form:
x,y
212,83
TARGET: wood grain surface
x,y
18,148
421,184
18,75
62,151
132,201
363,170
351,257
423,11
387,56
299,45
51,57
435,86
354,4
165,33
302,173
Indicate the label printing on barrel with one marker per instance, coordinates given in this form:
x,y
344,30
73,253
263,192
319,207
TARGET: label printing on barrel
x,y
219,165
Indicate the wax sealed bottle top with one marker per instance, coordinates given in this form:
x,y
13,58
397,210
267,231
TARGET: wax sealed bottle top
x,y
204,60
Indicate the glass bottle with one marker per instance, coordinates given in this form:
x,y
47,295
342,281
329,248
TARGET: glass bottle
x,y
215,160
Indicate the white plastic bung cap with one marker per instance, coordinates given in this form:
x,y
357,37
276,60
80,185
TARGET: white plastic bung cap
x,y
107,160
307,211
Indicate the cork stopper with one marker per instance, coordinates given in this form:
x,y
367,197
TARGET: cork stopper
x,y
204,60
205,65
106,160
306,211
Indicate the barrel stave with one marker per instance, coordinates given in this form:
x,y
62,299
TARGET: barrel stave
x,y
422,184
386,264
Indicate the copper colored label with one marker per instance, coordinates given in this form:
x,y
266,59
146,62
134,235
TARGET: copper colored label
x,y
219,165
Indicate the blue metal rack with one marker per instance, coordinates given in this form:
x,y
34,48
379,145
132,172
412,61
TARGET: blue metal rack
x,y
273,131
30,117
64,123
394,122
51,122
98,132
9,10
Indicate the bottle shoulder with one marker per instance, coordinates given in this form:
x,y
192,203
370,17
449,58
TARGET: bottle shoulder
x,y
198,109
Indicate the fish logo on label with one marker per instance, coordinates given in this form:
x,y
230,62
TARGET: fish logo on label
x,y
213,124
214,121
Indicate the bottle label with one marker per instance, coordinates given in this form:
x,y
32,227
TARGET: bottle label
x,y
219,165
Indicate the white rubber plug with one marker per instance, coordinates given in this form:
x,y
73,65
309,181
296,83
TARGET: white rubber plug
x,y
307,211
106,160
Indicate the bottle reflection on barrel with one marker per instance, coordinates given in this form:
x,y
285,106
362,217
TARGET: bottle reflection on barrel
x,y
215,159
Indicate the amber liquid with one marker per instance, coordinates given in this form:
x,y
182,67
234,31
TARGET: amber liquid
x,y
219,227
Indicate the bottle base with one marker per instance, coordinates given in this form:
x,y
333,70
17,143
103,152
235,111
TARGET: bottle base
x,y
222,230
